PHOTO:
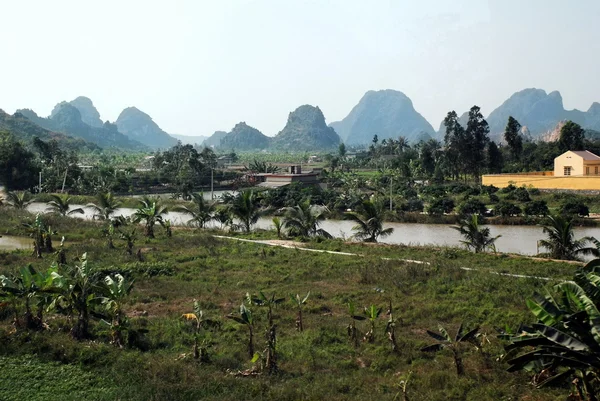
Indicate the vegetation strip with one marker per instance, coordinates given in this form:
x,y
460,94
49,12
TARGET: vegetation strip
x,y
270,243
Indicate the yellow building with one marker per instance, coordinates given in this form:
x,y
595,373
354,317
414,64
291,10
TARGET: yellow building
x,y
573,170
574,163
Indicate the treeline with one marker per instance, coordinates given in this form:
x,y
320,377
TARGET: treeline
x,y
180,169
467,152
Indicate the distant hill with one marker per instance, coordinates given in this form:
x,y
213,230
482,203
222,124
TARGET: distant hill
x,y
190,140
140,127
385,113
214,141
244,137
539,112
306,130
89,113
66,118
25,130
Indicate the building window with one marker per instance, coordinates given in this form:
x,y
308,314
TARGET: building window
x,y
567,171
596,170
587,171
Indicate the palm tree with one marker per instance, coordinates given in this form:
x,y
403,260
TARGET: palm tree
x,y
304,219
245,208
151,211
106,204
19,200
475,237
61,205
560,242
202,211
370,221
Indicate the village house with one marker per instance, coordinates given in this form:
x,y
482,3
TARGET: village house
x,y
573,170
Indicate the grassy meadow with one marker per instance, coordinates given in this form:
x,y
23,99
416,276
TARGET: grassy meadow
x,y
318,363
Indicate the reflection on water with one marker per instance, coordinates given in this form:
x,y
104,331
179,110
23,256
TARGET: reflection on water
x,y
514,239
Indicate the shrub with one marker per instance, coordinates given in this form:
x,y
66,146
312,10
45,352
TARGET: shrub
x,y
572,207
472,206
522,195
489,189
437,191
494,198
506,190
441,206
536,208
508,209
412,205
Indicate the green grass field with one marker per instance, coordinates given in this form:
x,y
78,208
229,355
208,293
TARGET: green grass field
x,y
318,363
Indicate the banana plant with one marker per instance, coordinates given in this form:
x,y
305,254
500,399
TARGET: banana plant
x,y
372,313
390,328
47,234
299,302
109,233
129,236
245,318
352,330
199,321
565,342
36,230
115,291
31,287
269,302
445,341
79,293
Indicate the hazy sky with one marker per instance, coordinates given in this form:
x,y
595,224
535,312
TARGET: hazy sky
x,y
199,66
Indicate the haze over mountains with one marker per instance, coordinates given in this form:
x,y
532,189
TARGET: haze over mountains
x,y
385,113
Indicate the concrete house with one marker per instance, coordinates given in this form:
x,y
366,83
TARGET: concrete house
x,y
577,163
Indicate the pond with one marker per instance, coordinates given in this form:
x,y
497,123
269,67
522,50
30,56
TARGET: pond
x,y
514,239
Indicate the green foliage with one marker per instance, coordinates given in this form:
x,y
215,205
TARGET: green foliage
x,y
536,208
201,211
18,169
574,207
440,206
566,337
505,209
561,243
304,219
454,344
475,237
369,221
471,206
571,137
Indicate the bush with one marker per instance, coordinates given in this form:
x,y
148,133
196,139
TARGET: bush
x,y
508,209
472,206
574,207
522,195
507,190
489,189
536,208
437,191
441,206
494,198
412,205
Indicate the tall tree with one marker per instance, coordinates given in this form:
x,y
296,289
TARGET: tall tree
x,y
571,137
513,137
476,138
18,169
495,161
454,141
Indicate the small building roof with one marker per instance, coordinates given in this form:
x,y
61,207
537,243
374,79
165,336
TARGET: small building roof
x,y
586,155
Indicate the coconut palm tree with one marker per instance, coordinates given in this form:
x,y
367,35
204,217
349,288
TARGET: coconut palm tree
x,y
151,211
246,209
106,204
369,221
19,200
201,210
304,219
475,237
61,205
561,243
